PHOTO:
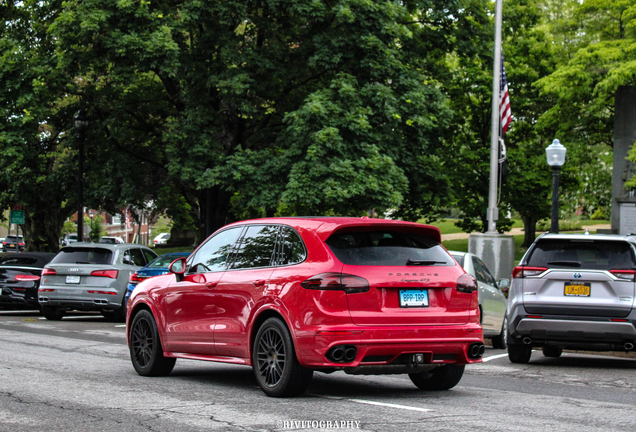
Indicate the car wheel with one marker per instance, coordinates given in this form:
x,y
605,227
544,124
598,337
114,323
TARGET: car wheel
x,y
440,378
120,314
146,352
552,351
500,342
51,313
519,353
275,364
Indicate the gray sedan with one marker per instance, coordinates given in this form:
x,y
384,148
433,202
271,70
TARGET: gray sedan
x,y
90,277
492,301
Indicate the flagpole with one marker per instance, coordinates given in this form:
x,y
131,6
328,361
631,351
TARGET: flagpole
x,y
493,211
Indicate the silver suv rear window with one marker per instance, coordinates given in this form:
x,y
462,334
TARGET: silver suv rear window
x,y
388,248
72,255
585,254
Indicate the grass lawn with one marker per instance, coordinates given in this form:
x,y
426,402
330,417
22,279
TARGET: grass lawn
x,y
447,226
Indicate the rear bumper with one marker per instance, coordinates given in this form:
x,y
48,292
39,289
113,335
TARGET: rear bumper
x,y
573,331
379,347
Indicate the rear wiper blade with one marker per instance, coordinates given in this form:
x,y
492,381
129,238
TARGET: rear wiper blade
x,y
423,262
565,263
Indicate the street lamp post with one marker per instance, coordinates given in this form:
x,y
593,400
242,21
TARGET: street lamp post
x,y
81,125
555,154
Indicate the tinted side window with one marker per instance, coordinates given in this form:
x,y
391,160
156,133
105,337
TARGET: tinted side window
x,y
482,273
150,255
134,257
257,247
213,254
293,249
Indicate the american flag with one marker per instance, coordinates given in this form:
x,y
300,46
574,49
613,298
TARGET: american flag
x,y
504,99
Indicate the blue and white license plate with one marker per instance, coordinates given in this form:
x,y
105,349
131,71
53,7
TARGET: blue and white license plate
x,y
72,279
413,298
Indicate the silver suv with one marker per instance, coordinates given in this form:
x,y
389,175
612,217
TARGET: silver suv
x,y
90,277
573,291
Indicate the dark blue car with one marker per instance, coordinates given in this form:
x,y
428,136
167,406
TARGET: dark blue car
x,y
156,267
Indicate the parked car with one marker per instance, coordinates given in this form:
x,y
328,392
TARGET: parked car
x,y
68,239
90,277
157,267
492,301
573,291
20,278
111,240
161,239
13,243
290,296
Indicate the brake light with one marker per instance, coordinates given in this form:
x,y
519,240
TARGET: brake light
x,y
20,244
134,278
27,278
46,290
337,282
102,292
105,273
467,284
521,272
624,274
48,271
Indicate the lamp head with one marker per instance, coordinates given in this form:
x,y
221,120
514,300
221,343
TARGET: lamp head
x,y
555,153
81,121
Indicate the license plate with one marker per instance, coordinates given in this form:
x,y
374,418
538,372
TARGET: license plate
x,y
577,289
413,298
72,279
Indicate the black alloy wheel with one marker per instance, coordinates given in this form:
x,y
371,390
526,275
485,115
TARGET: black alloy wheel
x,y
275,364
146,352
441,378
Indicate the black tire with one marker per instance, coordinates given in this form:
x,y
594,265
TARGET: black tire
x,y
552,351
120,314
53,314
519,353
274,361
146,352
440,378
501,342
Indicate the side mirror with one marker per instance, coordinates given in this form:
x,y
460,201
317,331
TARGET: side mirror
x,y
503,283
178,268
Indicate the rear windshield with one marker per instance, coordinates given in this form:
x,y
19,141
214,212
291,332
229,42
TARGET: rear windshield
x,y
83,256
388,248
585,254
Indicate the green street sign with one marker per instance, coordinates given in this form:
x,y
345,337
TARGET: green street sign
x,y
17,217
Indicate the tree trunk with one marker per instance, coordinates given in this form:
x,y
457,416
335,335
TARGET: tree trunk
x,y
214,205
530,230
42,227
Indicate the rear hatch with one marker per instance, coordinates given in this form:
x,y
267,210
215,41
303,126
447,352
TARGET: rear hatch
x,y
580,277
20,281
80,272
411,278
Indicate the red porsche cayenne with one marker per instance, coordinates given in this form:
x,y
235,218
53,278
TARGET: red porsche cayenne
x,y
290,296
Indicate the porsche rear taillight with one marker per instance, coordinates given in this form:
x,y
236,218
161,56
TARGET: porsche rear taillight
x,y
337,282
521,272
466,284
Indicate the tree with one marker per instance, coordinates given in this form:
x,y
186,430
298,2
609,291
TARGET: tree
x,y
262,107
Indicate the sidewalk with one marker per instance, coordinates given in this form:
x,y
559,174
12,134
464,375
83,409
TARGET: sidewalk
x,y
519,231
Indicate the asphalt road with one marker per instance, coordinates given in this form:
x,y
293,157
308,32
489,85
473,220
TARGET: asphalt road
x,y
75,375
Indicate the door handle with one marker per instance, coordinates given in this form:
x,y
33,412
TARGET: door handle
x,y
258,283
211,284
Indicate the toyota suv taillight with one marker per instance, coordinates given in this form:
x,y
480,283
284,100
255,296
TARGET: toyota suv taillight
x,y
521,272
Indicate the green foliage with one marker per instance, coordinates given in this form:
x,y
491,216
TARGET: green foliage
x,y
97,229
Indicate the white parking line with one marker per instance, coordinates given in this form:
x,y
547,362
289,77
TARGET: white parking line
x,y
389,405
120,325
77,317
485,359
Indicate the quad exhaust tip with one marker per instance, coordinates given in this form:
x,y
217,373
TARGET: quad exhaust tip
x,y
628,346
342,354
527,340
476,351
